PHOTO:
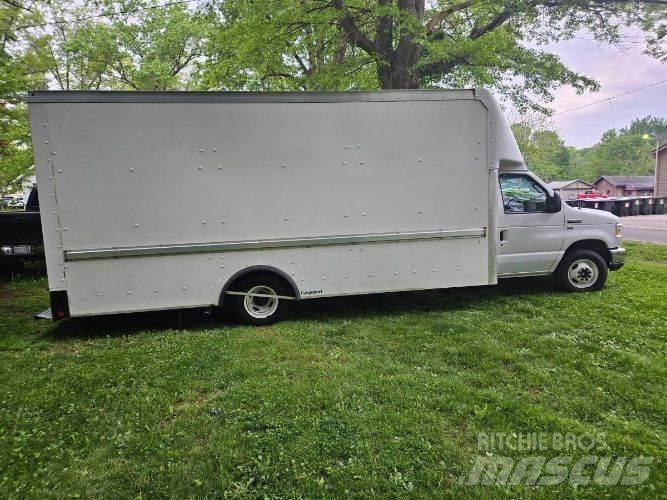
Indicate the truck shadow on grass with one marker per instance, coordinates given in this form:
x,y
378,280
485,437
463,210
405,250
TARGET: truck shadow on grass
x,y
426,301
348,307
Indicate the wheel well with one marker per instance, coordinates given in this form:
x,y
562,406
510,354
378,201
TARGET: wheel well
x,y
598,246
260,270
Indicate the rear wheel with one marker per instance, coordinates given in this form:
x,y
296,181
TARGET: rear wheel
x,y
263,301
581,271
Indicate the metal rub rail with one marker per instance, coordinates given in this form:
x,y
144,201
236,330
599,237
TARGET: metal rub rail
x,y
233,246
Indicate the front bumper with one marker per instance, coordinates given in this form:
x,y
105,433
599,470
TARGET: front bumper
x,y
617,258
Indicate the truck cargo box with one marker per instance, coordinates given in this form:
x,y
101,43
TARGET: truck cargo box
x,y
162,200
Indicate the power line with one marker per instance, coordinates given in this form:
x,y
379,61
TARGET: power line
x,y
98,16
620,39
609,58
579,54
610,98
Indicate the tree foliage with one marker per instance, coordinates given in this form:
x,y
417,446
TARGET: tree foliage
x,y
627,151
16,74
622,153
283,45
341,44
651,126
543,150
130,45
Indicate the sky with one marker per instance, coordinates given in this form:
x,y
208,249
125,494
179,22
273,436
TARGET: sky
x,y
618,70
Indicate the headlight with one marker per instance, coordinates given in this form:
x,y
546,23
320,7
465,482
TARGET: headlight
x,y
619,230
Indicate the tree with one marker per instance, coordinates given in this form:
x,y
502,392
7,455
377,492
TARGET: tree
x,y
15,77
283,45
622,153
581,165
543,151
122,45
650,125
407,44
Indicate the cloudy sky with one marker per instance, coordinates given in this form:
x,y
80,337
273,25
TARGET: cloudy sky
x,y
619,70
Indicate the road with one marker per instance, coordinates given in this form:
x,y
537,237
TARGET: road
x,y
648,228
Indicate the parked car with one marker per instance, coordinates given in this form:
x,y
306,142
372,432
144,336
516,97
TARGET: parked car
x,y
292,196
591,194
21,233
17,204
12,203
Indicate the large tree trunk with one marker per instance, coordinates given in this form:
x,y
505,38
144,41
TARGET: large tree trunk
x,y
397,68
400,72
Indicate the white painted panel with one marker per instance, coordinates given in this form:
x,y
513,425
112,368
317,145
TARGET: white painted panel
x,y
129,284
48,207
147,173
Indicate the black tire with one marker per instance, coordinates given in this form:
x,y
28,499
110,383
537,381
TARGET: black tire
x,y
581,271
260,311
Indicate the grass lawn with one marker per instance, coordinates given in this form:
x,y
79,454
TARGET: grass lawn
x,y
383,395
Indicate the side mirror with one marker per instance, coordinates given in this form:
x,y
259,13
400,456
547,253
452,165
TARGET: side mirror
x,y
555,203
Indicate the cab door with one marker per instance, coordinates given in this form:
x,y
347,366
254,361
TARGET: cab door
x,y
531,234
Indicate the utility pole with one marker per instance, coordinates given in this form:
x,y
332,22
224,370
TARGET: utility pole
x,y
656,176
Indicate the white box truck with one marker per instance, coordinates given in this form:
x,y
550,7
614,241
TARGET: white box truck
x,y
174,200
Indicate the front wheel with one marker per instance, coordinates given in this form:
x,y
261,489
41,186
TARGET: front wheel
x,y
581,271
263,301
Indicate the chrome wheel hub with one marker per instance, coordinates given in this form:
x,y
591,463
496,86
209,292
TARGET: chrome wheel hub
x,y
261,301
583,273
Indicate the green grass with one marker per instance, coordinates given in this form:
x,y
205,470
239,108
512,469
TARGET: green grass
x,y
381,395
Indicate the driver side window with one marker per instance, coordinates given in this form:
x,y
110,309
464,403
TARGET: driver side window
x,y
521,194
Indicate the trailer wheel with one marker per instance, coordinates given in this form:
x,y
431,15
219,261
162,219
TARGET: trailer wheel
x,y
581,271
262,303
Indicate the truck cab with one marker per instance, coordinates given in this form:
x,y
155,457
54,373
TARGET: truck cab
x,y
540,235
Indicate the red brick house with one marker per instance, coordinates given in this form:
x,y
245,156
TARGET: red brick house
x,y
626,185
661,170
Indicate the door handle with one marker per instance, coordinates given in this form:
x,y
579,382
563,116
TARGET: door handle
x,y
503,236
